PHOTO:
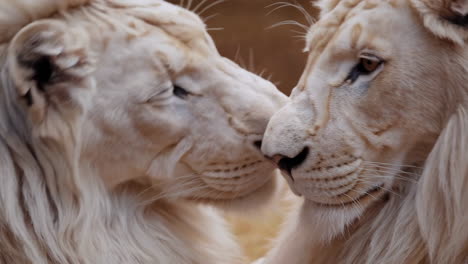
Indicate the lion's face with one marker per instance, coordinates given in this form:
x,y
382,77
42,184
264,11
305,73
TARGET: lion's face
x,y
369,97
171,112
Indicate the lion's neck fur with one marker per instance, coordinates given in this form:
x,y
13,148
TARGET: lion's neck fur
x,y
71,226
53,209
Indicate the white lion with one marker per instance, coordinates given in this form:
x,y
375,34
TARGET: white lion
x,y
375,137
119,122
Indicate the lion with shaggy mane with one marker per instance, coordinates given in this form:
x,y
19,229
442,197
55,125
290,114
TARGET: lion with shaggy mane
x,y
119,123
375,137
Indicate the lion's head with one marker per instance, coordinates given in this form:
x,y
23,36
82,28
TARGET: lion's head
x,y
364,104
160,105
382,81
114,114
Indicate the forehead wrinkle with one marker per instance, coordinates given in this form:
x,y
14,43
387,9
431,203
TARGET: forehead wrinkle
x,y
325,31
352,38
328,26
356,32
138,21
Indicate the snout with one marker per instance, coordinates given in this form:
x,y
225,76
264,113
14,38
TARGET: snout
x,y
248,100
284,143
323,167
260,104
284,139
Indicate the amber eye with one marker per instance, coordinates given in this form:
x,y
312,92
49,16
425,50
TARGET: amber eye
x,y
369,65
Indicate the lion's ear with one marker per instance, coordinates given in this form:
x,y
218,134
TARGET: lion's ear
x,y
446,19
50,67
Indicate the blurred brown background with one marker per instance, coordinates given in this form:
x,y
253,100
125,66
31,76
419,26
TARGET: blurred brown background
x,y
246,38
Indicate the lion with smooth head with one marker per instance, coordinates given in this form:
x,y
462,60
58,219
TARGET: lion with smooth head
x,y
119,124
375,137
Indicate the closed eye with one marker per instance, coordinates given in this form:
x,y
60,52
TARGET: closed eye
x,y
180,92
366,66
159,96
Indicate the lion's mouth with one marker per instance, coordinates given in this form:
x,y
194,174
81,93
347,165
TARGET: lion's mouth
x,y
240,179
369,194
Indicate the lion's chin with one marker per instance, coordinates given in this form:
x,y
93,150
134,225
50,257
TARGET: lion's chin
x,y
363,200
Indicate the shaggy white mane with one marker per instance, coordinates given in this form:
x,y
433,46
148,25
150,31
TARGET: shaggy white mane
x,y
16,14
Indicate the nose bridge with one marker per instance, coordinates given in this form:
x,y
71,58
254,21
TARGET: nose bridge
x,y
286,131
319,97
248,99
300,120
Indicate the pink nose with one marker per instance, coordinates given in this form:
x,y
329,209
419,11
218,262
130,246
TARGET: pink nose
x,y
277,158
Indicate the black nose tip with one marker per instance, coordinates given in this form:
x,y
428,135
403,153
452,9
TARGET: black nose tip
x,y
288,164
258,144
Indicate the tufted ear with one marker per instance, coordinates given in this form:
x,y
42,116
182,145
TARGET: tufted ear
x,y
50,67
446,19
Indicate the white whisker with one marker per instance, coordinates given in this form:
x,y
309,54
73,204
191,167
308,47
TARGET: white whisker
x,y
303,34
189,4
195,9
383,188
180,182
251,61
208,18
389,174
353,201
297,37
215,29
392,165
296,5
289,22
393,170
388,167
237,54
208,7
371,176
172,193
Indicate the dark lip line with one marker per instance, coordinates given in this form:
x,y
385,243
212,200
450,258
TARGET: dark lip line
x,y
283,172
375,189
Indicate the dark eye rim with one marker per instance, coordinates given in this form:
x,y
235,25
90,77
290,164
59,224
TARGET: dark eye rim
x,y
180,92
359,69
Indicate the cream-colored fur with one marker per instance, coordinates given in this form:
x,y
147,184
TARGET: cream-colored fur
x,y
376,137
120,125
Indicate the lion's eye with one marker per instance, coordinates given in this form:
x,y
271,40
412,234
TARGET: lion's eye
x,y
366,66
180,92
369,65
